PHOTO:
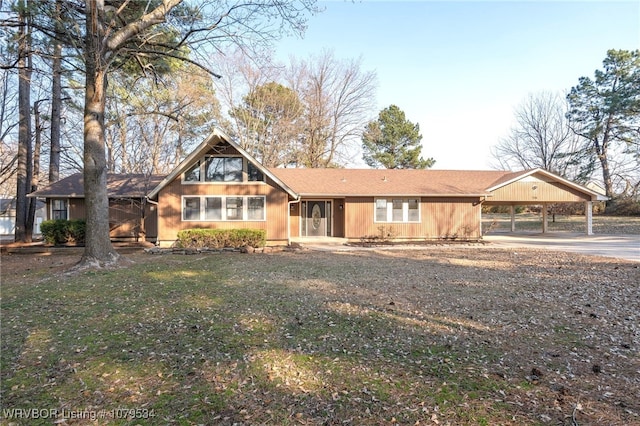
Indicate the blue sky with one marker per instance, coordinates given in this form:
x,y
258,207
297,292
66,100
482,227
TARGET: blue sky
x,y
459,68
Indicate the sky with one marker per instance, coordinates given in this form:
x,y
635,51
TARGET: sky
x,y
460,68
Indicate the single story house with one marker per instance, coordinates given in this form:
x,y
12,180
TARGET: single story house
x,y
220,185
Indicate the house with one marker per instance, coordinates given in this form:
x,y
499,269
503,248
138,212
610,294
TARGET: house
x,y
8,217
220,185
131,215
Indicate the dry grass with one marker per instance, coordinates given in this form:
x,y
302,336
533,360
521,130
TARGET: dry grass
x,y
460,335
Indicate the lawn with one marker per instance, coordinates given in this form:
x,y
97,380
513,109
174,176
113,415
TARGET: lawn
x,y
440,335
497,222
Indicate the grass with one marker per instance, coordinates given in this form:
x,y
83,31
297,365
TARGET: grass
x,y
562,223
264,339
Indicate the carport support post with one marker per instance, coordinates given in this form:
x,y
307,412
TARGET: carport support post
x,y
544,218
588,213
512,210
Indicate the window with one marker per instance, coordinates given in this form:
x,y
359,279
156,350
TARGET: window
x,y
414,210
191,208
381,210
193,175
213,208
253,173
234,208
203,208
255,208
59,209
223,169
397,210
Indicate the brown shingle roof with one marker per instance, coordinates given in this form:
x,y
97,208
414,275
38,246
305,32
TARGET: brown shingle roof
x,y
118,186
381,182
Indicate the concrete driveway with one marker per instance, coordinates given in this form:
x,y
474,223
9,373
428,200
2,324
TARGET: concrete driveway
x,y
619,246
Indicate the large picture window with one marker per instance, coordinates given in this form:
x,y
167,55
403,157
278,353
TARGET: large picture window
x,y
223,169
397,210
208,209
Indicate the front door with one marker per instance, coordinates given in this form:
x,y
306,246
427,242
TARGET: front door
x,y
316,220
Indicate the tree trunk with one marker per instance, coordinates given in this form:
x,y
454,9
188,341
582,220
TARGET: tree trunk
x,y
35,175
24,130
98,251
56,104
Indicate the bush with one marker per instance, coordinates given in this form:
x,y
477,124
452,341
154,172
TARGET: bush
x,y
58,232
220,238
623,206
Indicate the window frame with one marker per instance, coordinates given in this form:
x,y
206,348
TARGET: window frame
x,y
224,208
392,211
250,172
65,202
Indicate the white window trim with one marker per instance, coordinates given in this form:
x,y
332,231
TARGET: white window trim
x,y
245,208
203,164
405,210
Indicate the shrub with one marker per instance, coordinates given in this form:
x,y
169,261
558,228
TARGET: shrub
x,y
623,206
58,232
220,238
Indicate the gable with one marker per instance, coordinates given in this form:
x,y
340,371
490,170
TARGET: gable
x,y
217,145
538,186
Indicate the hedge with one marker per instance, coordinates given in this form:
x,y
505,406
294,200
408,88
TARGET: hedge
x,y
221,238
62,231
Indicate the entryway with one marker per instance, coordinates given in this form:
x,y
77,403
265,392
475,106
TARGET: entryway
x,y
316,218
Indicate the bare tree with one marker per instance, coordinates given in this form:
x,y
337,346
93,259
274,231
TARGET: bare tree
x,y
541,137
111,32
8,151
153,122
339,98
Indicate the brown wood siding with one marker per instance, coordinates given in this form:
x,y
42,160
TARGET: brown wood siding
x,y
338,217
532,190
76,208
170,208
124,217
294,220
440,217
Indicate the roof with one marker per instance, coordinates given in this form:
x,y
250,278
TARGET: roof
x,y
9,204
118,186
514,176
383,182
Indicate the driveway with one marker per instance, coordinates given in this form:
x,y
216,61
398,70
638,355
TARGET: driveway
x,y
619,246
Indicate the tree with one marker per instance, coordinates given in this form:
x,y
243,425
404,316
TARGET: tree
x,y
151,123
24,225
542,137
605,111
338,97
269,121
393,142
111,31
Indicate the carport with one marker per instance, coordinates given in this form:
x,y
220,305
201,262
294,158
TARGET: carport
x,y
540,187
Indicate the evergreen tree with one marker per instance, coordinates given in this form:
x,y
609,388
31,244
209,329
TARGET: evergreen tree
x,y
393,142
605,111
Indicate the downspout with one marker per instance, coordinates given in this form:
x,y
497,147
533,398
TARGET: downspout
x,y
289,204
